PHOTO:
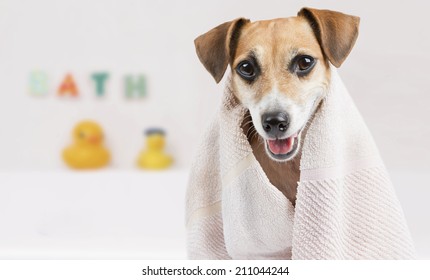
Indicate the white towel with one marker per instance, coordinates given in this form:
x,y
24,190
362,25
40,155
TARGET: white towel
x,y
346,207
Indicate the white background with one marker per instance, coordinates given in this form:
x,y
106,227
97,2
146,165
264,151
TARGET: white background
x,y
387,75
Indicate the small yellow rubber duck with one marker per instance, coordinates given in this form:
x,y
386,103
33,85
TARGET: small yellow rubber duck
x,y
154,157
87,151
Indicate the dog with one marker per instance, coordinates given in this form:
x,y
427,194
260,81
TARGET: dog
x,y
280,72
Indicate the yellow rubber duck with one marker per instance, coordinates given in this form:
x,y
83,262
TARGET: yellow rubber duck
x,y
154,157
87,151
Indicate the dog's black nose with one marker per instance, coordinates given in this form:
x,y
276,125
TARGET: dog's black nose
x,y
275,124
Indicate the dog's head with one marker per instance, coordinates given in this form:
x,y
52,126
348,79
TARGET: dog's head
x,y
280,68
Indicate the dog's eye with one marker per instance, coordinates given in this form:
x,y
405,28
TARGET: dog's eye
x,y
247,70
304,64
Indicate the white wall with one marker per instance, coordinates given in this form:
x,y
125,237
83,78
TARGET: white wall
x,y
387,75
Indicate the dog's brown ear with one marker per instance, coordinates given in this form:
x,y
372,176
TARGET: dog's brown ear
x,y
336,32
216,47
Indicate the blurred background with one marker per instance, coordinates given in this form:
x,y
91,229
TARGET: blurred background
x,y
49,211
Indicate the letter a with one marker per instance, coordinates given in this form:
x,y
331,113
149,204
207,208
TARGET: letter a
x,y
68,86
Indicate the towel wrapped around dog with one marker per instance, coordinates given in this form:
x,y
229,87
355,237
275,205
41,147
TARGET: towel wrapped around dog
x,y
346,207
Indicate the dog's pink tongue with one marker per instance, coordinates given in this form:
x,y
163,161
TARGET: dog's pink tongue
x,y
280,147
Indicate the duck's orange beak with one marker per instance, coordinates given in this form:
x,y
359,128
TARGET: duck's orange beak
x,y
94,139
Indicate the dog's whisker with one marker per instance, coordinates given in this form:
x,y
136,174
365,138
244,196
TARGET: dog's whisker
x,y
254,134
250,128
248,122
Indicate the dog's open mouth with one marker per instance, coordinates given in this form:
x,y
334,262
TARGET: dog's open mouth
x,y
283,149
